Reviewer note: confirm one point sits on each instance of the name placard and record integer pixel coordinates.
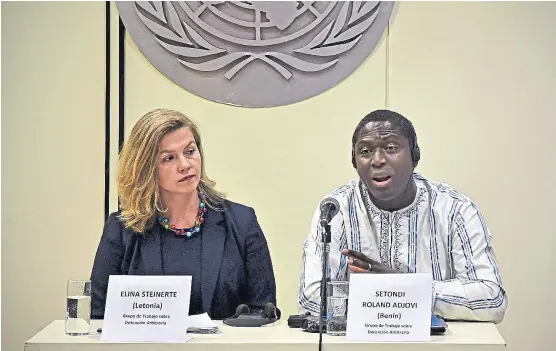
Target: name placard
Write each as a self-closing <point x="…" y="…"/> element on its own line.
<point x="389" y="307"/>
<point x="146" y="309"/>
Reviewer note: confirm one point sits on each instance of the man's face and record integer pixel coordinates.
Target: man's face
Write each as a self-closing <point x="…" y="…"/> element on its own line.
<point x="383" y="161"/>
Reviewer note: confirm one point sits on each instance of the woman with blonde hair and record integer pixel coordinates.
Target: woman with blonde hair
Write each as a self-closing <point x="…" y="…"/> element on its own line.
<point x="173" y="221"/>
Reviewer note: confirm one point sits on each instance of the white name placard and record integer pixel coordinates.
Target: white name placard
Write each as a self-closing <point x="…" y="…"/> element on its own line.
<point x="389" y="307"/>
<point x="146" y="309"/>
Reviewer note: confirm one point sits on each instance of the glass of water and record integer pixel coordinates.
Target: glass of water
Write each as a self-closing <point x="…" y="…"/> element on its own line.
<point x="78" y="307"/>
<point x="336" y="307"/>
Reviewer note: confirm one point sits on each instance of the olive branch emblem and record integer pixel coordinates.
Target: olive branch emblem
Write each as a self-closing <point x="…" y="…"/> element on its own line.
<point x="193" y="51"/>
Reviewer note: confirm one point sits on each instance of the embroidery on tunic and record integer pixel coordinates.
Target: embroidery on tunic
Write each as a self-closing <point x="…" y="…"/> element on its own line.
<point x="398" y="233"/>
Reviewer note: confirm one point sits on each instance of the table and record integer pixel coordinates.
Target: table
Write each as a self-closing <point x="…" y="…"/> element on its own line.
<point x="459" y="336"/>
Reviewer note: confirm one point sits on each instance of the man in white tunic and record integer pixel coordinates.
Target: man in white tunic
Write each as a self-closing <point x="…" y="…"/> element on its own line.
<point x="393" y="220"/>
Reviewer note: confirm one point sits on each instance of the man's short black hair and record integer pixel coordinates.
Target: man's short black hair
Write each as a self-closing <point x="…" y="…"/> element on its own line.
<point x="398" y="121"/>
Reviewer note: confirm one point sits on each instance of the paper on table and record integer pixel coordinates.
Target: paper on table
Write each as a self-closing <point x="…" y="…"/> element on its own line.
<point x="200" y="321"/>
<point x="202" y="324"/>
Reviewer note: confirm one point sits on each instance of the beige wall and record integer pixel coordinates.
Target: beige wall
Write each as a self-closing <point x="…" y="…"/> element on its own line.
<point x="479" y="81"/>
<point x="52" y="157"/>
<point x="481" y="71"/>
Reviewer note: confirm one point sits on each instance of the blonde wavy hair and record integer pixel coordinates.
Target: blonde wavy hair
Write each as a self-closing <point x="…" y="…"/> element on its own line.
<point x="140" y="199"/>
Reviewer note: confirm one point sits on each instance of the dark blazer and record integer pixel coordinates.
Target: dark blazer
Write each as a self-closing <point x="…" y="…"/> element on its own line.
<point x="235" y="265"/>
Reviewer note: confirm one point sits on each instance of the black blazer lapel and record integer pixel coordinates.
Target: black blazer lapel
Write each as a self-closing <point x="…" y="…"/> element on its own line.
<point x="151" y="252"/>
<point x="212" y="244"/>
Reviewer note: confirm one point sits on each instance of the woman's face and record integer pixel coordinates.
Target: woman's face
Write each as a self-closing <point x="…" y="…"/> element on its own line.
<point x="178" y="163"/>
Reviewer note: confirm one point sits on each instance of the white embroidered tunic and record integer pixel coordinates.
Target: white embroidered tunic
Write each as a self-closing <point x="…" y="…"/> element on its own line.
<point x="442" y="232"/>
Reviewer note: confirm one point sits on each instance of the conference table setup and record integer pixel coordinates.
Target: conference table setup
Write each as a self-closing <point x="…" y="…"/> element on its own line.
<point x="151" y="313"/>
<point x="278" y="336"/>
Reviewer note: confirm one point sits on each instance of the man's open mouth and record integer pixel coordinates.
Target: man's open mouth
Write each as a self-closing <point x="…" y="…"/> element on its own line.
<point x="381" y="179"/>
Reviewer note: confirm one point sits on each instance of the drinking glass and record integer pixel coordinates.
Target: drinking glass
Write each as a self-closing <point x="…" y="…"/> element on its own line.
<point x="78" y="307"/>
<point x="336" y="307"/>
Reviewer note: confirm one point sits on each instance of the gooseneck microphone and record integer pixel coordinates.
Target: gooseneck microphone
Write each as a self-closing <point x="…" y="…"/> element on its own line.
<point x="329" y="207"/>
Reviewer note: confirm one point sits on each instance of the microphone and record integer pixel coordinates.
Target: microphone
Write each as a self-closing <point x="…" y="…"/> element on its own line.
<point x="329" y="207"/>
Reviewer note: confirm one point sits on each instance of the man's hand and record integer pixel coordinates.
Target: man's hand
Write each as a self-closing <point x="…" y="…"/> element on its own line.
<point x="359" y="263"/>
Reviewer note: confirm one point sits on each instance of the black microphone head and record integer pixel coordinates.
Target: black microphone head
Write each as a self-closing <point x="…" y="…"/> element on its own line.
<point x="241" y="309"/>
<point x="270" y="311"/>
<point x="329" y="207"/>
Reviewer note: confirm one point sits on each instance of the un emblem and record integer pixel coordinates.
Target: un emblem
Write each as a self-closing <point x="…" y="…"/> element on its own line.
<point x="256" y="53"/>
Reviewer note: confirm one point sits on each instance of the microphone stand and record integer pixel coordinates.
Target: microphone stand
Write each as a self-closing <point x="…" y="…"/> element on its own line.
<point x="326" y="238"/>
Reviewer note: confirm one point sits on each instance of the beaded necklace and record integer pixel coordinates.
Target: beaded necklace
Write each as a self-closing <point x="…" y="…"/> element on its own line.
<point x="189" y="232"/>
